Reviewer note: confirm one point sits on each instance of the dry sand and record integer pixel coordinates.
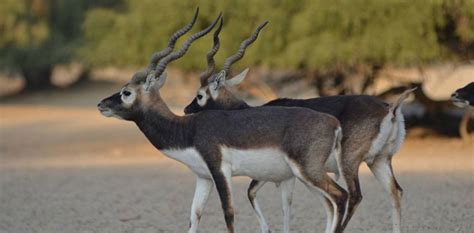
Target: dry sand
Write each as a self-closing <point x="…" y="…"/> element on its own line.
<point x="69" y="170"/>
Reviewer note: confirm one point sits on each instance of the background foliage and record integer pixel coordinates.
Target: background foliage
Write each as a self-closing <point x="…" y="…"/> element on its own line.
<point x="35" y="35"/>
<point x="314" y="35"/>
<point x="311" y="34"/>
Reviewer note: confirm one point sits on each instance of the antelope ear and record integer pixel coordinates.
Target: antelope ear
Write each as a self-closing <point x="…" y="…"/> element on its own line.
<point x="237" y="79"/>
<point x="160" y="81"/>
<point x="216" y="83"/>
<point x="154" y="83"/>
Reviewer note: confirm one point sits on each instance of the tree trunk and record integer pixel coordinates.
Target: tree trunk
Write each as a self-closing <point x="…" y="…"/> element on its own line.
<point x="37" y="79"/>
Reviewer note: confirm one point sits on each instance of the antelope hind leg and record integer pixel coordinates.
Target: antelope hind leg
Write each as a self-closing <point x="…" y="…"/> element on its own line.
<point x="254" y="186"/>
<point x="382" y="169"/>
<point x="287" y="187"/>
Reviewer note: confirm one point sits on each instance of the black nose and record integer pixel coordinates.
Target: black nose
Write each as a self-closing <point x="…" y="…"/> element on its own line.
<point x="186" y="110"/>
<point x="100" y="105"/>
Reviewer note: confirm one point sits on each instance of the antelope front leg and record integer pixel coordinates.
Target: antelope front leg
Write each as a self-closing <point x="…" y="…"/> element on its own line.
<point x="329" y="213"/>
<point x="382" y="169"/>
<point x="201" y="194"/>
<point x="287" y="188"/>
<point x="254" y="186"/>
<point x="223" y="181"/>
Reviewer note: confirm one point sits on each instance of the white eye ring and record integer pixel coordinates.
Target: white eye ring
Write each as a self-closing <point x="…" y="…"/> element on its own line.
<point x="126" y="93"/>
<point x="201" y="98"/>
<point x="128" y="97"/>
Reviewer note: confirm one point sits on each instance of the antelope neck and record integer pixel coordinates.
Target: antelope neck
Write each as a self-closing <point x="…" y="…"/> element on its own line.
<point x="165" y="130"/>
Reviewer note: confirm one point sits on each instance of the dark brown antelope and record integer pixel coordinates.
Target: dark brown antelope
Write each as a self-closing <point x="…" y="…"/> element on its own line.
<point x="464" y="97"/>
<point x="267" y="144"/>
<point x="373" y="131"/>
<point x="286" y="186"/>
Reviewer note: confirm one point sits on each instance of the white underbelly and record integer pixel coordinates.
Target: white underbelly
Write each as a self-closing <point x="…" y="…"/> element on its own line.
<point x="191" y="158"/>
<point x="260" y="164"/>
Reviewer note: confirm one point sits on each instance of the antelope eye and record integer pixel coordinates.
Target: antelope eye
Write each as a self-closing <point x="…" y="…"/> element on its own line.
<point x="126" y="93"/>
<point x="199" y="96"/>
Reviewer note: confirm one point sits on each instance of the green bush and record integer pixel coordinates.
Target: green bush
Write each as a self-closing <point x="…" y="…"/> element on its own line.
<point x="306" y="34"/>
<point x="311" y="34"/>
<point x="35" y="35"/>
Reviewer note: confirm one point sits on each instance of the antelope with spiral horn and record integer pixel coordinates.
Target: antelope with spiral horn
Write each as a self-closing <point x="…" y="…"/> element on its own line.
<point x="266" y="144"/>
<point x="373" y="132"/>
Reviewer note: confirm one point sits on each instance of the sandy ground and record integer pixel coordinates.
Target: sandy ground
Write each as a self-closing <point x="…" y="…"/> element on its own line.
<point x="66" y="169"/>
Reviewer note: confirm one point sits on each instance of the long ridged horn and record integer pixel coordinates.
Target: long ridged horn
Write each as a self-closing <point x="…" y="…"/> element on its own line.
<point x="211" y="64"/>
<point x="163" y="53"/>
<point x="240" y="53"/>
<point x="179" y="53"/>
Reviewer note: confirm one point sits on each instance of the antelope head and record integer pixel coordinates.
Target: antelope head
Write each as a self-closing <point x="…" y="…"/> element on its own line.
<point x="142" y="93"/>
<point x="464" y="97"/>
<point x="214" y="92"/>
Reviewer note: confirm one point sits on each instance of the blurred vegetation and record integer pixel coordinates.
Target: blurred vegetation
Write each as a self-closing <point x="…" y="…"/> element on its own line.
<point x="35" y="35"/>
<point x="315" y="35"/>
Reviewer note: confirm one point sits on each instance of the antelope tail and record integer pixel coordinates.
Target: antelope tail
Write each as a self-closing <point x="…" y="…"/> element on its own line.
<point x="396" y="105"/>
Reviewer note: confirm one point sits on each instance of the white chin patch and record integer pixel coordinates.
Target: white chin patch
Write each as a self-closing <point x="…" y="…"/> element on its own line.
<point x="107" y="113"/>
<point x="117" y="116"/>
<point x="460" y="103"/>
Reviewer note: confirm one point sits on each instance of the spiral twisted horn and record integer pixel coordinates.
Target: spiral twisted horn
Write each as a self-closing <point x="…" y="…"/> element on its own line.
<point x="240" y="53"/>
<point x="179" y="53"/>
<point x="211" y="64"/>
<point x="155" y="74"/>
<point x="161" y="54"/>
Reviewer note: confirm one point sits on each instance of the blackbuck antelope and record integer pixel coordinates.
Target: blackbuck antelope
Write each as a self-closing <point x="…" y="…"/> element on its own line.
<point x="268" y="144"/>
<point x="373" y="131"/>
<point x="464" y="97"/>
<point x="286" y="186"/>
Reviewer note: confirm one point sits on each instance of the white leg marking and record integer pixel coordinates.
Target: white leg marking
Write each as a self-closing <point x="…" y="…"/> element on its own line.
<point x="287" y="187"/>
<point x="256" y="207"/>
<point x="335" y="216"/>
<point x="296" y="171"/>
<point x="332" y="218"/>
<point x="329" y="214"/>
<point x="383" y="173"/>
<point x="201" y="194"/>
